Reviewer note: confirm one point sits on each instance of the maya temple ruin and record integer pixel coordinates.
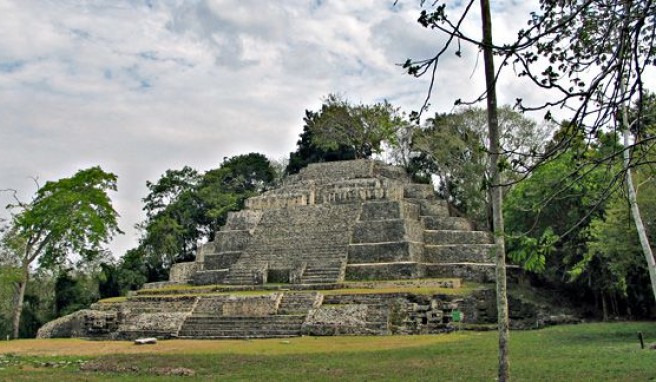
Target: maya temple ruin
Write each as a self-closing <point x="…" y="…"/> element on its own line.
<point x="342" y="248"/>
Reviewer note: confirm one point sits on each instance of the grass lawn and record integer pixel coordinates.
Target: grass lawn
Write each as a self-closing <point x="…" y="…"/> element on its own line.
<point x="588" y="352"/>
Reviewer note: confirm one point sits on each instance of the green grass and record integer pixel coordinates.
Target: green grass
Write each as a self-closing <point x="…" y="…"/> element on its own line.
<point x="588" y="352"/>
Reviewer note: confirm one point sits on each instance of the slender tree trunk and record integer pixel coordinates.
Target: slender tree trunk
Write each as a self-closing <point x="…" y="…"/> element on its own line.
<point x="496" y="193"/>
<point x="635" y="209"/>
<point x="20" y="298"/>
<point x="633" y="199"/>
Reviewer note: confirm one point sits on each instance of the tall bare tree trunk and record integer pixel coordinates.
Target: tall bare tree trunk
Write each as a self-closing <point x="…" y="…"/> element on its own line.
<point x="496" y="192"/>
<point x="20" y="298"/>
<point x="633" y="202"/>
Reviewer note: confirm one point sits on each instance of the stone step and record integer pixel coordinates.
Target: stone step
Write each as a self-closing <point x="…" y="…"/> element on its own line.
<point x="431" y="207"/>
<point x="240" y="276"/>
<point x="208" y="277"/>
<point x="377" y="326"/>
<point x="298" y="303"/>
<point x="242" y="220"/>
<point x="383" y="271"/>
<point x="443" y="237"/>
<point x="251" y="328"/>
<point x="446" y="223"/>
<point x="279" y="318"/>
<point x="418" y="191"/>
<point x="385" y="231"/>
<point x="244" y="330"/>
<point x="384" y="210"/>
<point x="321" y="276"/>
<point x="480" y="273"/>
<point x="220" y="260"/>
<point x="317" y="248"/>
<point x="242" y="326"/>
<point x="324" y="271"/>
<point x="319" y="280"/>
<point x="390" y="252"/>
<point x="238" y="333"/>
<point x="132" y="334"/>
<point x="229" y="241"/>
<point x="235" y="337"/>
<point x="458" y="253"/>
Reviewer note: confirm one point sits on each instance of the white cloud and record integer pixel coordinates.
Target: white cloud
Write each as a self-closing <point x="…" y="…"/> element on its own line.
<point x="140" y="87"/>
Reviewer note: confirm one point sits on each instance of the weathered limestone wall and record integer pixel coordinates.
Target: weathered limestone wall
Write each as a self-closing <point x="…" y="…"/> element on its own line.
<point x="182" y="272"/>
<point x="252" y="306"/>
<point x="83" y="323"/>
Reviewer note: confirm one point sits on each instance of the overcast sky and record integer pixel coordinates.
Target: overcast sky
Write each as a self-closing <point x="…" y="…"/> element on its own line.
<point x="142" y="86"/>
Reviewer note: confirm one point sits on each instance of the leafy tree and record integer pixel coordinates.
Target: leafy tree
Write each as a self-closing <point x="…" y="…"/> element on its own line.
<point x="38" y="305"/>
<point x="552" y="203"/>
<point x="452" y="150"/>
<point x="226" y="189"/>
<point x="452" y="147"/>
<point x="70" y="216"/>
<point x="185" y="207"/>
<point x="597" y="53"/>
<point x="131" y="272"/>
<point x="613" y="262"/>
<point x="173" y="210"/>
<point x="362" y="128"/>
<point x="550" y="214"/>
<point x="307" y="152"/>
<point x="169" y="188"/>
<point x="73" y="292"/>
<point x="9" y="277"/>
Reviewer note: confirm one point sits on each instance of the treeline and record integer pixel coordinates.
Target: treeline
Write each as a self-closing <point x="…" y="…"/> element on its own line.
<point x="567" y="219"/>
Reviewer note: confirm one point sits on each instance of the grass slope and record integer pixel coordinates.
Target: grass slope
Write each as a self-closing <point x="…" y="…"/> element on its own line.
<point x="589" y="352"/>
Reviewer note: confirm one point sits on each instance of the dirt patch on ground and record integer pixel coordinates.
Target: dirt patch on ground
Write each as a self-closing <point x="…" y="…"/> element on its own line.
<point x="295" y="345"/>
<point x="107" y="367"/>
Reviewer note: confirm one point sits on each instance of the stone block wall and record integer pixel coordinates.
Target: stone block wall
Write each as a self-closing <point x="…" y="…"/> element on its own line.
<point x="252" y="306"/>
<point x="182" y="272"/>
<point x="242" y="220"/>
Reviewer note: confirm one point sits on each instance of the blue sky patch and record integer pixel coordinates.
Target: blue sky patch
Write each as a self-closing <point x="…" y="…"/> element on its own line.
<point x="11" y="66"/>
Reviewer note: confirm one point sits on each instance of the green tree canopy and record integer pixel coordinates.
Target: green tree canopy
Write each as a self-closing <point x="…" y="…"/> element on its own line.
<point x="185" y="207"/>
<point x="362" y="128"/>
<point x="307" y="152"/>
<point x="452" y="147"/>
<point x="69" y="216"/>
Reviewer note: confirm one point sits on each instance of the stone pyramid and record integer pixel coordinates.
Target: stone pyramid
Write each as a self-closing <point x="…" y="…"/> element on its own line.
<point x="342" y="221"/>
<point x="342" y="248"/>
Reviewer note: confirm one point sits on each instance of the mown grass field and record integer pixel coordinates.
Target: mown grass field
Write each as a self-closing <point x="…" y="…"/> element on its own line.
<point x="588" y="352"/>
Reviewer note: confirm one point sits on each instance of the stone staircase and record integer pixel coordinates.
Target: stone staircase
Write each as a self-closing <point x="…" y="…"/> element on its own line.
<point x="241" y="276"/>
<point x="314" y="235"/>
<point x="299" y="303"/>
<point x="227" y="327"/>
<point x="453" y="248"/>
<point x="327" y="273"/>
